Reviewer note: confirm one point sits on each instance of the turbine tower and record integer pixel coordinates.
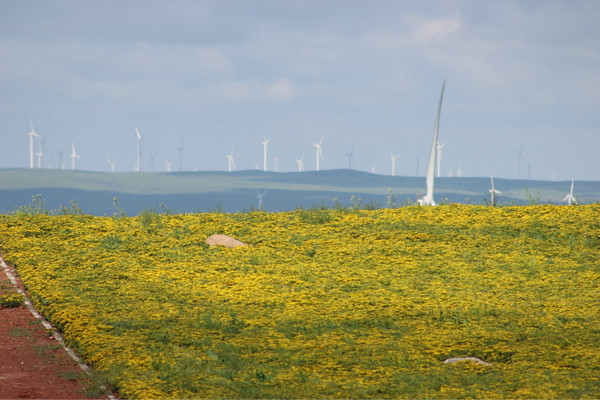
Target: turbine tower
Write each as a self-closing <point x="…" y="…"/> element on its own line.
<point x="31" y="134"/>
<point x="260" y="196"/>
<point x="138" y="164"/>
<point x="40" y="155"/>
<point x="110" y="163"/>
<point x="393" y="158"/>
<point x="180" y="150"/>
<point x="300" y="163"/>
<point x="569" y="198"/>
<point x="276" y="161"/>
<point x="427" y="200"/>
<point x="265" y="143"/>
<point x="350" y="157"/>
<point x="493" y="191"/>
<point x="519" y="155"/>
<point x="319" y="153"/>
<point x="230" y="162"/>
<point x="168" y="164"/>
<point x="73" y="155"/>
<point x="439" y="156"/>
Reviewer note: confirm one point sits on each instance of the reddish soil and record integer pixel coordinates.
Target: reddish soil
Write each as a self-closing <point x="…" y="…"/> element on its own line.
<point x="33" y="365"/>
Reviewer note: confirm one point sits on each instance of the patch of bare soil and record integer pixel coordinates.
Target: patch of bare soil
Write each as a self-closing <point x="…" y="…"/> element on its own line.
<point x="33" y="365"/>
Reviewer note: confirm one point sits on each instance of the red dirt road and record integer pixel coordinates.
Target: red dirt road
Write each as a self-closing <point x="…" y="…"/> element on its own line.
<point x="33" y="365"/>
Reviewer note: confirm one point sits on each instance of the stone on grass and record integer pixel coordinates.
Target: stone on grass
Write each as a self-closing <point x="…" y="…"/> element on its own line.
<point x="224" y="240"/>
<point x="471" y="359"/>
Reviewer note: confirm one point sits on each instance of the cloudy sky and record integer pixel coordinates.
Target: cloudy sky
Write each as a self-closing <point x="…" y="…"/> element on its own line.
<point x="522" y="77"/>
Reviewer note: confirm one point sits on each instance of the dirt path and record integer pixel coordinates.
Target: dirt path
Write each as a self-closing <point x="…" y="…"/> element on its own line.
<point x="33" y="365"/>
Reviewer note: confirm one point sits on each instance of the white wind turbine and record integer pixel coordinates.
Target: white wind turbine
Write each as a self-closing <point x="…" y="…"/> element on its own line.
<point x="569" y="198"/>
<point x="439" y="156"/>
<point x="230" y="162"/>
<point x="493" y="191"/>
<point x="180" y="150"/>
<point x="138" y="164"/>
<point x="265" y="143"/>
<point x="276" y="161"/>
<point x="393" y="158"/>
<point x="300" y="163"/>
<point x="427" y="200"/>
<point x="31" y="134"/>
<point x="350" y="156"/>
<point x="319" y="152"/>
<point x="110" y="163"/>
<point x="260" y="196"/>
<point x="168" y="165"/>
<point x="40" y="155"/>
<point x="73" y="155"/>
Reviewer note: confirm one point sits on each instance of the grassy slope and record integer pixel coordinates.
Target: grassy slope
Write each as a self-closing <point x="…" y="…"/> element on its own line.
<point x="325" y="303"/>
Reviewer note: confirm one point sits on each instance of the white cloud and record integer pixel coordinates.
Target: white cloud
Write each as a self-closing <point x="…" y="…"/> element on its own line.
<point x="429" y="30"/>
<point x="280" y="90"/>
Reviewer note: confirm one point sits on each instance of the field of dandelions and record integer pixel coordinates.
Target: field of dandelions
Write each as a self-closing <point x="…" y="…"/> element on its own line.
<point x="324" y="303"/>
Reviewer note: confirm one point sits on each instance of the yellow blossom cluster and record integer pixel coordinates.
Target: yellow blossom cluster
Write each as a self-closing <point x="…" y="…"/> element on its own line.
<point x="324" y="303"/>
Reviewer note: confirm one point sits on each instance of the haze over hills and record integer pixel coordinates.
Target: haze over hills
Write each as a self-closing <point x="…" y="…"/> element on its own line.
<point x="237" y="191"/>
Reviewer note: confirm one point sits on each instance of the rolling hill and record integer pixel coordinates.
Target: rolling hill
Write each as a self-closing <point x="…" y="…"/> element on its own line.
<point x="236" y="191"/>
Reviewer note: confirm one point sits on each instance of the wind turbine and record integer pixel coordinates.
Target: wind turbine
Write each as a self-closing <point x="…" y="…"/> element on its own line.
<point x="319" y="152"/>
<point x="110" y="163"/>
<point x="230" y="162"/>
<point x="40" y="155"/>
<point x="493" y="191"/>
<point x="265" y="143"/>
<point x="394" y="158"/>
<point x="276" y="160"/>
<point x="61" y="165"/>
<point x="439" y="156"/>
<point x="168" y="164"/>
<point x="73" y="155"/>
<point x="31" y="134"/>
<point x="138" y="165"/>
<point x="300" y="163"/>
<point x="569" y="198"/>
<point x="180" y="150"/>
<point x="427" y="200"/>
<point x="350" y="157"/>
<point x="260" y="196"/>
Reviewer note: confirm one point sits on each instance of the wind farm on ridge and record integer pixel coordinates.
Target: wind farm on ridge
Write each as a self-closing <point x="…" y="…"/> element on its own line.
<point x="425" y="199"/>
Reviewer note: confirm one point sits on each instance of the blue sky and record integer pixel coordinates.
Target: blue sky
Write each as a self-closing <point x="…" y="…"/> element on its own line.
<point x="521" y="76"/>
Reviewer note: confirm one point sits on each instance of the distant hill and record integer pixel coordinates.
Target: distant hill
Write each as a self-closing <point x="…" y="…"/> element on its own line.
<point x="237" y="191"/>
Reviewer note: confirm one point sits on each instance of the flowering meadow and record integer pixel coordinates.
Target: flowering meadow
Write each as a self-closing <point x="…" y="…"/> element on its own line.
<point x="324" y="303"/>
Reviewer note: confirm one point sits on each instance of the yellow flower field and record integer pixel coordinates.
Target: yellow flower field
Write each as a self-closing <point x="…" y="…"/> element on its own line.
<point x="324" y="303"/>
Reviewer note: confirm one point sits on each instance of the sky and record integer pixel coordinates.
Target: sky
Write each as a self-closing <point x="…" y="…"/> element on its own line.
<point x="521" y="100"/>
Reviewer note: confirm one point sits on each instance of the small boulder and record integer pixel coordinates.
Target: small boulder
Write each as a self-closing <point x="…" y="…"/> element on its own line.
<point x="470" y="359"/>
<point x="224" y="240"/>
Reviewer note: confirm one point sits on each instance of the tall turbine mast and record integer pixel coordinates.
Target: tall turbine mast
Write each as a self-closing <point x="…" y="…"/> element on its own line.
<point x="319" y="152"/>
<point x="439" y="156"/>
<point x="427" y="200"/>
<point x="493" y="191"/>
<point x="138" y="164"/>
<point x="569" y="198"/>
<point x="31" y="134"/>
<point x="40" y="155"/>
<point x="180" y="150"/>
<point x="393" y="158"/>
<point x="230" y="162"/>
<point x="265" y="143"/>
<point x="300" y="163"/>
<point x="260" y="196"/>
<point x="73" y="156"/>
